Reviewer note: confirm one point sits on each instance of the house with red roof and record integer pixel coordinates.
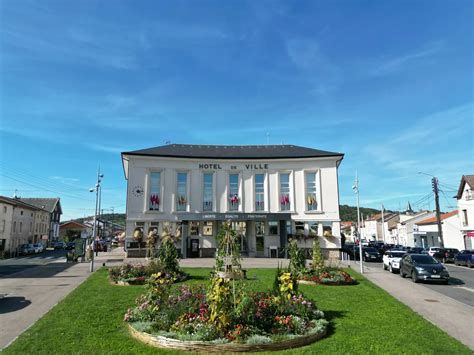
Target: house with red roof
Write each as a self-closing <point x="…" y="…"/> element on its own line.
<point x="465" y="198"/>
<point x="428" y="231"/>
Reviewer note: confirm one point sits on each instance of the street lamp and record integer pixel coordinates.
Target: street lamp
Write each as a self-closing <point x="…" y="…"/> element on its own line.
<point x="95" y="189"/>
<point x="356" y="191"/>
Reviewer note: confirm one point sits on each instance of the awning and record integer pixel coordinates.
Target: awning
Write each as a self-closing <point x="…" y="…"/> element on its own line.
<point x="236" y="216"/>
<point x="470" y="234"/>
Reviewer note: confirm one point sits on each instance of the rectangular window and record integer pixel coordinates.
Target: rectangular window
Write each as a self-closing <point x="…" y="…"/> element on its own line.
<point x="465" y="221"/>
<point x="311" y="203"/>
<point x="313" y="228"/>
<point x="31" y="227"/>
<point x="285" y="202"/>
<point x="273" y="228"/>
<point x="21" y="213"/>
<point x="14" y="227"/>
<point x="182" y="193"/>
<point x="2" y="226"/>
<point x="21" y="226"/>
<point x="234" y="192"/>
<point x="153" y="227"/>
<point x="193" y="228"/>
<point x="4" y="209"/>
<point x="207" y="228"/>
<point x="208" y="192"/>
<point x="259" y="192"/>
<point x="155" y="191"/>
<point x="299" y="228"/>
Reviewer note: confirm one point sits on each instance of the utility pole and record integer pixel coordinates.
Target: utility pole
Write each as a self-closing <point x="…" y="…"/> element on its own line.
<point x="434" y="183"/>
<point x="383" y="224"/>
<point x="96" y="189"/>
<point x="356" y="191"/>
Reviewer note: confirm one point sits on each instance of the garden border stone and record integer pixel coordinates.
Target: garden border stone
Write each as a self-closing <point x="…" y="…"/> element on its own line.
<point x="203" y="346"/>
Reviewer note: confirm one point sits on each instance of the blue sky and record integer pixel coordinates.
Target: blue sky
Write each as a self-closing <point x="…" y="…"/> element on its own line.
<point x="388" y="83"/>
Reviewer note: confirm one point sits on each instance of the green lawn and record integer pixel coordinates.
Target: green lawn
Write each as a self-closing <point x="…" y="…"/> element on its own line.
<point x="364" y="319"/>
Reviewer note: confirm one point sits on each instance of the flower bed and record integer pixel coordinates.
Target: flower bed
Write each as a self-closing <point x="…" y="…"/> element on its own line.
<point x="129" y="274"/>
<point x="327" y="276"/>
<point x="225" y="318"/>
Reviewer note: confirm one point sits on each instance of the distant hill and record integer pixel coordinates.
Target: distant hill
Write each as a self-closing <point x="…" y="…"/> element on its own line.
<point x="117" y="218"/>
<point x="347" y="213"/>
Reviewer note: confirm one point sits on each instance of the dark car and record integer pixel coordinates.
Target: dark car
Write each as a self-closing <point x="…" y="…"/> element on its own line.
<point x="465" y="257"/>
<point x="70" y="245"/>
<point x="59" y="245"/>
<point x="446" y="255"/>
<point x="417" y="250"/>
<point x="370" y="254"/>
<point x="423" y="267"/>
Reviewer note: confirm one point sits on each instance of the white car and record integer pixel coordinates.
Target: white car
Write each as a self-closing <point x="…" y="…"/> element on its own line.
<point x="391" y="260"/>
<point x="433" y="250"/>
<point x="38" y="248"/>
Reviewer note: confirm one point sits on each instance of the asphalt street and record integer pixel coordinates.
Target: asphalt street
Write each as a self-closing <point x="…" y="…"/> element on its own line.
<point x="14" y="265"/>
<point x="460" y="287"/>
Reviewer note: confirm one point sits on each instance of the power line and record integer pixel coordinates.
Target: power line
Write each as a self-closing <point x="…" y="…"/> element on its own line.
<point x="46" y="189"/>
<point x="423" y="199"/>
<point x="38" y="179"/>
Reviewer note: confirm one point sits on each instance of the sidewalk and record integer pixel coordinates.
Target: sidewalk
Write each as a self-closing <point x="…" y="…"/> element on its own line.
<point x="33" y="292"/>
<point x="454" y="317"/>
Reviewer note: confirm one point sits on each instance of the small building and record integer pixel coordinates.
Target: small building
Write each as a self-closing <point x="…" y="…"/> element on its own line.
<point x="406" y="232"/>
<point x="428" y="231"/>
<point x="21" y="223"/>
<point x="268" y="192"/>
<point x="53" y="206"/>
<point x="378" y="228"/>
<point x="75" y="230"/>
<point x="465" y="199"/>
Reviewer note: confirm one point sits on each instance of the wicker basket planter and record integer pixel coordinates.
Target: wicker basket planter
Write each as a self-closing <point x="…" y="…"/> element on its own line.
<point x="306" y="282"/>
<point x="125" y="283"/>
<point x="202" y="346"/>
<point x="232" y="275"/>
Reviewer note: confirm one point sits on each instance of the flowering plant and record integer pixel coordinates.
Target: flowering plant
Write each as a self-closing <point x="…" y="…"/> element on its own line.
<point x="234" y="199"/>
<point x="285" y="199"/>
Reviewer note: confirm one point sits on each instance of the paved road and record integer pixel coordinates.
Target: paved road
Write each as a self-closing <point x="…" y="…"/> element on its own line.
<point x="14" y="265"/>
<point x="460" y="287"/>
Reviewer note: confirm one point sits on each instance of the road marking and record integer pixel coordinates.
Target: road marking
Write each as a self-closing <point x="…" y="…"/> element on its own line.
<point x="465" y="288"/>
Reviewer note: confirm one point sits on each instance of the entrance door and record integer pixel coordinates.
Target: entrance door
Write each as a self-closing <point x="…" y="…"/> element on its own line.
<point x="260" y="238"/>
<point x="240" y="229"/>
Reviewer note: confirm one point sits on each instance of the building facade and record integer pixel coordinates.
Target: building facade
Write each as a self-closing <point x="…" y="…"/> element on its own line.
<point x="269" y="193"/>
<point x="53" y="207"/>
<point x="465" y="198"/>
<point x="21" y="223"/>
<point x="429" y="236"/>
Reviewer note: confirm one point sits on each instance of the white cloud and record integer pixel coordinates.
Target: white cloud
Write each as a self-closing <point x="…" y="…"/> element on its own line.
<point x="323" y="75"/>
<point x="398" y="63"/>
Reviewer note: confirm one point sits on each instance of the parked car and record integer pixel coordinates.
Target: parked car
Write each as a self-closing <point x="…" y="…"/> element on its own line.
<point x="370" y="254"/>
<point x="26" y="249"/>
<point x="59" y="245"/>
<point x="433" y="250"/>
<point x="38" y="248"/>
<point x="465" y="257"/>
<point x="446" y="255"/>
<point x="422" y="267"/>
<point x="417" y="250"/>
<point x="70" y="245"/>
<point x="391" y="260"/>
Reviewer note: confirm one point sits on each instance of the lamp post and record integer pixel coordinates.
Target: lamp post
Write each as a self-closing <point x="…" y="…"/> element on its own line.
<point x="356" y="191"/>
<point x="95" y="189"/>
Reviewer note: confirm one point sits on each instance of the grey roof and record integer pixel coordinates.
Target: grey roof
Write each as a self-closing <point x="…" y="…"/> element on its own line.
<point x="233" y="151"/>
<point x="47" y="204"/>
<point x="466" y="179"/>
<point x="17" y="202"/>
